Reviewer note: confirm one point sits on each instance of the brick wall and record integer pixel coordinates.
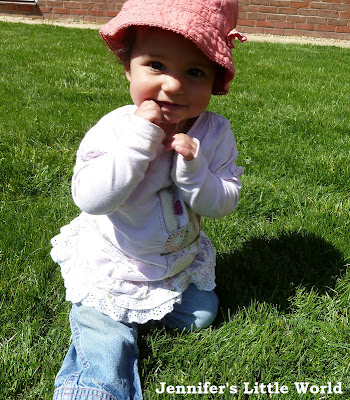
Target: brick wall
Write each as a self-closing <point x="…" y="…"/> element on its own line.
<point x="319" y="18"/>
<point x="314" y="18"/>
<point x="99" y="11"/>
<point x="94" y="11"/>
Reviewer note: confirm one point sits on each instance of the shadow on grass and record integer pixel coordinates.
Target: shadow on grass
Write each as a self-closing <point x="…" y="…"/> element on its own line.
<point x="270" y="270"/>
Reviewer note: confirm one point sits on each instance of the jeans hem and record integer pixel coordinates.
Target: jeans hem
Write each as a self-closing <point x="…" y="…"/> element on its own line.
<point x="77" y="393"/>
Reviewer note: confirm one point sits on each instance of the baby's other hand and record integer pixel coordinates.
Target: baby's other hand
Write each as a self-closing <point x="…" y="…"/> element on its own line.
<point x="184" y="145"/>
<point x="150" y="111"/>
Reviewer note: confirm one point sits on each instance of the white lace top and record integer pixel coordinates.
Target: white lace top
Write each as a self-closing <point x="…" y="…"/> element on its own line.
<point x="137" y="244"/>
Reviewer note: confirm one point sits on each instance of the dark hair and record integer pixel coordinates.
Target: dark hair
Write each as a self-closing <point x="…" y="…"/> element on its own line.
<point x="127" y="44"/>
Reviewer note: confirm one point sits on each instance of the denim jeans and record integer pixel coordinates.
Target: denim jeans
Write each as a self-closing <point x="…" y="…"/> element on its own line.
<point x="101" y="363"/>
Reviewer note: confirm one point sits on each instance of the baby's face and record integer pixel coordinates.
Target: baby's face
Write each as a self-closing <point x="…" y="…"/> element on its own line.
<point x="170" y="70"/>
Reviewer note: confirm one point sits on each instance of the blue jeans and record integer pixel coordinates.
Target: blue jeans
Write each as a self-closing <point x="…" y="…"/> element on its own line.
<point x="101" y="363"/>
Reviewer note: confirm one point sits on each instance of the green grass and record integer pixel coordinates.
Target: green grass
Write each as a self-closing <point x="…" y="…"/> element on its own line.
<point x="283" y="254"/>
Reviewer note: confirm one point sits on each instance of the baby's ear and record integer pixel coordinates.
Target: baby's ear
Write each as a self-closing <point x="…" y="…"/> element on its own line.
<point x="127" y="74"/>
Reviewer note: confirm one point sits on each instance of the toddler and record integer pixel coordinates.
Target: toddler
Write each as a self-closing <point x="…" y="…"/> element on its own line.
<point x="144" y="176"/>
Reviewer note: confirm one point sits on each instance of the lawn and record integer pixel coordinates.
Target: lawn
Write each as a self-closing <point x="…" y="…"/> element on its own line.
<point x="283" y="255"/>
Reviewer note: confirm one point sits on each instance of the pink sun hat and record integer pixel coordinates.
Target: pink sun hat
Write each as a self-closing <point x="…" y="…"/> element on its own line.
<point x="209" y="24"/>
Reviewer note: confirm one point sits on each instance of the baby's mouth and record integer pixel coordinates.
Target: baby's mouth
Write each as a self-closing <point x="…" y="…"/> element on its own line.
<point x="168" y="106"/>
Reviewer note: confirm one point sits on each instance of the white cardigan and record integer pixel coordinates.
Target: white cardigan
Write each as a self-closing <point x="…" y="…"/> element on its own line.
<point x="141" y="210"/>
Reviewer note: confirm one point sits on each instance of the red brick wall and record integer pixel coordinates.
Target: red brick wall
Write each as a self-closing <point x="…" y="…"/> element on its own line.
<point x="314" y="18"/>
<point x="94" y="11"/>
<point x="91" y="11"/>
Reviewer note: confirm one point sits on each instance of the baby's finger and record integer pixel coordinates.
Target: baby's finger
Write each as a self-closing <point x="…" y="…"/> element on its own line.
<point x="185" y="146"/>
<point x="150" y="111"/>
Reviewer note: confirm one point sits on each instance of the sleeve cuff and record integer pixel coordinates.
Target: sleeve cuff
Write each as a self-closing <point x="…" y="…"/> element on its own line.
<point x="185" y="172"/>
<point x="147" y="130"/>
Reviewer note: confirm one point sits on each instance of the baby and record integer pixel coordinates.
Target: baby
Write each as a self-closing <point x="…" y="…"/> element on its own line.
<point x="144" y="176"/>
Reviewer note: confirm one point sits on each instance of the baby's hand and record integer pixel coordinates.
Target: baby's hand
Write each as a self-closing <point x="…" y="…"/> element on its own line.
<point x="184" y="145"/>
<point x="150" y="111"/>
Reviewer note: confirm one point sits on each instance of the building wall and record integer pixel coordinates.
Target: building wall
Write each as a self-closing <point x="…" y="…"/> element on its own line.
<point x="99" y="11"/>
<point x="314" y="18"/>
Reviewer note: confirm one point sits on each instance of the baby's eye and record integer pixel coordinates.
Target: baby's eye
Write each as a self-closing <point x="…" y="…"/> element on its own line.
<point x="195" y="73"/>
<point x="156" y="65"/>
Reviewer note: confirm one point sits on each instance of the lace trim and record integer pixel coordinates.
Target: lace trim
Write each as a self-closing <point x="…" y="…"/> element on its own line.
<point x="169" y="291"/>
<point x="107" y="305"/>
<point x="124" y="300"/>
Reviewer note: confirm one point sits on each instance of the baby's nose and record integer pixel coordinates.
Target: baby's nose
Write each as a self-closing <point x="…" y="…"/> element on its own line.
<point x="173" y="84"/>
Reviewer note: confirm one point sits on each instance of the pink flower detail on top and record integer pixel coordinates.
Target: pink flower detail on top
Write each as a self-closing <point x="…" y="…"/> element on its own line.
<point x="178" y="208"/>
<point x="234" y="34"/>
